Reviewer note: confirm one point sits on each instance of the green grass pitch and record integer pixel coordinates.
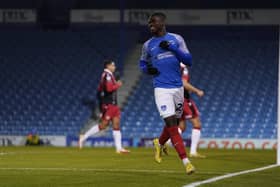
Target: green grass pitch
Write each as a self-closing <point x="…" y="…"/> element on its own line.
<point x="71" y="167"/>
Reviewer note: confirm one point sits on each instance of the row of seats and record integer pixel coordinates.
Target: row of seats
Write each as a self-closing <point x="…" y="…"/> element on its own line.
<point x="49" y="80"/>
<point x="48" y="77"/>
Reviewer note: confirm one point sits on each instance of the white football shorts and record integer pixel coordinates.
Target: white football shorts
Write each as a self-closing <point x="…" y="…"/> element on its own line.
<point x="169" y="101"/>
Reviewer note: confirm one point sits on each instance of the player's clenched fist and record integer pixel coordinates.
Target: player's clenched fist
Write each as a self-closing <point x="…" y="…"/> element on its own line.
<point x="167" y="45"/>
<point x="119" y="82"/>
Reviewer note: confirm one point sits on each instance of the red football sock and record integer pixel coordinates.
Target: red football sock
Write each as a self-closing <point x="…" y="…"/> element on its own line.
<point x="164" y="136"/>
<point x="177" y="141"/>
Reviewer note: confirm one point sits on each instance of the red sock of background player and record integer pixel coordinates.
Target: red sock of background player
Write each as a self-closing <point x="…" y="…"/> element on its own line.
<point x="164" y="136"/>
<point x="178" y="143"/>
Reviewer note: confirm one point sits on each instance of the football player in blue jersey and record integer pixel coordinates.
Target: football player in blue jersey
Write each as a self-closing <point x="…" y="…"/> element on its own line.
<point x="161" y="57"/>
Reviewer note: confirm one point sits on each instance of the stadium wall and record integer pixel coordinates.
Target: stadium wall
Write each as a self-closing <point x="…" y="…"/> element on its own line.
<point x="72" y="141"/>
<point x="181" y="16"/>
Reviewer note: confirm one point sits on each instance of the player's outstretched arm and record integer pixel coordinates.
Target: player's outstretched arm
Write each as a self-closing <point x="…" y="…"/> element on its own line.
<point x="188" y="86"/>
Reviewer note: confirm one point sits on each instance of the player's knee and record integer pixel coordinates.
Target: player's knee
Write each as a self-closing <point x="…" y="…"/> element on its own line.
<point x="197" y="126"/>
<point x="183" y="128"/>
<point x="103" y="125"/>
<point x="196" y="123"/>
<point x="170" y="121"/>
<point x="116" y="126"/>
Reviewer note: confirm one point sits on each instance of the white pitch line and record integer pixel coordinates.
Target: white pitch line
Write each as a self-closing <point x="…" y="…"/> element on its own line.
<point x="6" y="153"/>
<point x="90" y="169"/>
<point x="104" y="170"/>
<point x="214" y="179"/>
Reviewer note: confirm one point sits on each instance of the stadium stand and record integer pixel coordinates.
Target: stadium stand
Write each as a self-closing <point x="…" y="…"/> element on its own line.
<point x="46" y="74"/>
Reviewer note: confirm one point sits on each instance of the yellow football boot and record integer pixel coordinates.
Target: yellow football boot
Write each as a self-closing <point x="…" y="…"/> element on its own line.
<point x="157" y="149"/>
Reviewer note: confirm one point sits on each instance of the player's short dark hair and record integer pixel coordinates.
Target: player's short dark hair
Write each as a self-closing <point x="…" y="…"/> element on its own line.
<point x="161" y="15"/>
<point x="107" y="62"/>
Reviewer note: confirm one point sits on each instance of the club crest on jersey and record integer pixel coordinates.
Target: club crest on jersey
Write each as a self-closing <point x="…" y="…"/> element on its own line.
<point x="163" y="107"/>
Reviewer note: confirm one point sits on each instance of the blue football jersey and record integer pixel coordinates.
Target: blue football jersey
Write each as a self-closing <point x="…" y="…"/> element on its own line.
<point x="164" y="60"/>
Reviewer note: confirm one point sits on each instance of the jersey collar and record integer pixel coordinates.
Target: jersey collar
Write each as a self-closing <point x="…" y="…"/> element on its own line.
<point x="108" y="71"/>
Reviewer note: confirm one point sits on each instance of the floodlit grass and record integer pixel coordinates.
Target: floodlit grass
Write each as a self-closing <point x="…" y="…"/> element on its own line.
<point x="69" y="167"/>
